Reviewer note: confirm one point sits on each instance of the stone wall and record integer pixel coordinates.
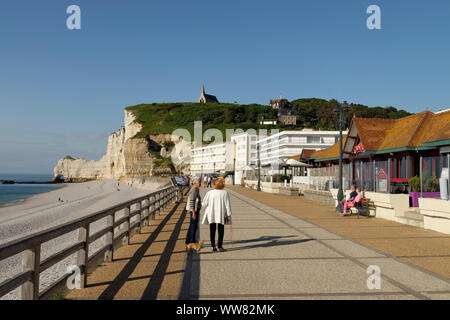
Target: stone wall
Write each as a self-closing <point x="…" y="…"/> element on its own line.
<point x="320" y="196"/>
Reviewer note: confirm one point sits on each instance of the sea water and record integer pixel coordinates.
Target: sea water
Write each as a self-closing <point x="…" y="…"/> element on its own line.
<point x="12" y="193"/>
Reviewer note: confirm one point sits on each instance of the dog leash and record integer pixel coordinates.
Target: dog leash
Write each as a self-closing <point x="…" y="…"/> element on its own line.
<point x="231" y="232"/>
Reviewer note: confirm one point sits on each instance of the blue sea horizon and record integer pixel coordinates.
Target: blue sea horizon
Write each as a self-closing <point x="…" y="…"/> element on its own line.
<point x="13" y="193"/>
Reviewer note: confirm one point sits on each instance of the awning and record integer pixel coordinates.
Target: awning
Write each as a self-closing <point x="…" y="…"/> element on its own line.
<point x="295" y="163"/>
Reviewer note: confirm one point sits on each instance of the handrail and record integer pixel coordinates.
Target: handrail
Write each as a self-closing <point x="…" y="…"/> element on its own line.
<point x="30" y="246"/>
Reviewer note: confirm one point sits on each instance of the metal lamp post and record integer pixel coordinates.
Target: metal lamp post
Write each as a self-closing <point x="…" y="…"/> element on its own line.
<point x="234" y="170"/>
<point x="340" y="110"/>
<point x="259" y="168"/>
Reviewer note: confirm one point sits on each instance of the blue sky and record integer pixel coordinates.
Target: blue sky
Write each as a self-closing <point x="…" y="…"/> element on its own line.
<point x="63" y="92"/>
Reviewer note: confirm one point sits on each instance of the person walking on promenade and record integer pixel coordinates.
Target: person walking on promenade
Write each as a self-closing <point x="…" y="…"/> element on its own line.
<point x="205" y="181"/>
<point x="193" y="207"/>
<point x="209" y="182"/>
<point x="217" y="212"/>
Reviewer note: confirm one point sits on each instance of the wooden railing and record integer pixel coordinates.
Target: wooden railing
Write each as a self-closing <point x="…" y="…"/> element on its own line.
<point x="143" y="208"/>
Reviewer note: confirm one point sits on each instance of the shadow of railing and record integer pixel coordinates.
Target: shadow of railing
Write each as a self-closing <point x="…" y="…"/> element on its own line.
<point x="160" y="271"/>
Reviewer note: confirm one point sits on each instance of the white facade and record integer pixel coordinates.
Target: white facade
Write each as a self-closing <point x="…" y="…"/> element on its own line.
<point x="241" y="151"/>
<point x="216" y="158"/>
<point x="279" y="147"/>
<point x="245" y="150"/>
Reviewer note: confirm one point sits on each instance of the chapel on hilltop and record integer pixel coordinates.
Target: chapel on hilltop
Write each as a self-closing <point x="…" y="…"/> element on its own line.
<point x="204" y="98"/>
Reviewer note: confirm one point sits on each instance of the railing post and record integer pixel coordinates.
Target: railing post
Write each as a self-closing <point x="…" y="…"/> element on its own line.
<point x="31" y="260"/>
<point x="157" y="204"/>
<point x="139" y="218"/>
<point x="110" y="238"/>
<point x="126" y="238"/>
<point x="83" y="254"/>
<point x="151" y="212"/>
<point x="144" y="214"/>
<point x="165" y="199"/>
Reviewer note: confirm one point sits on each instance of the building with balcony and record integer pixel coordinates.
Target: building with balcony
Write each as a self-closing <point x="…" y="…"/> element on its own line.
<point x="216" y="158"/>
<point x="244" y="150"/>
<point x="276" y="149"/>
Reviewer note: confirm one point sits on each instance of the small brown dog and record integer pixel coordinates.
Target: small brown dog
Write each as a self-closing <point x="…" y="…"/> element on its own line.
<point x="195" y="246"/>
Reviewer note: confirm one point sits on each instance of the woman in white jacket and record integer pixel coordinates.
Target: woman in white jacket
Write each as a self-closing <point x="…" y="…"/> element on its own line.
<point x="217" y="211"/>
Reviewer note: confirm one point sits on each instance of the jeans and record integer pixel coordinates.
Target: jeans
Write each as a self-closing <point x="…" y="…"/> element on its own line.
<point x="192" y="231"/>
<point x="212" y="233"/>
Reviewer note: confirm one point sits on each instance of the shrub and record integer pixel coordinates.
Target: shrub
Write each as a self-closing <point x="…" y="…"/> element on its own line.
<point x="415" y="184"/>
<point x="430" y="184"/>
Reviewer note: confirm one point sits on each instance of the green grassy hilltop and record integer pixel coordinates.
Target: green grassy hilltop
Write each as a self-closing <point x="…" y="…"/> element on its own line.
<point x="158" y="118"/>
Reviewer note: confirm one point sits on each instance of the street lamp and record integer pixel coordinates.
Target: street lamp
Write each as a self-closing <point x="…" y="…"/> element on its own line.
<point x="339" y="109"/>
<point x="234" y="169"/>
<point x="259" y="168"/>
<point x="234" y="162"/>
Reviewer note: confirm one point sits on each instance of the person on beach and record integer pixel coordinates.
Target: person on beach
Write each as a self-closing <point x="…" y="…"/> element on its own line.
<point x="218" y="211"/>
<point x="193" y="207"/>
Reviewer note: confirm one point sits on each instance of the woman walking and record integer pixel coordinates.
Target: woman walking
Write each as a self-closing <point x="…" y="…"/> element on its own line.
<point x="218" y="211"/>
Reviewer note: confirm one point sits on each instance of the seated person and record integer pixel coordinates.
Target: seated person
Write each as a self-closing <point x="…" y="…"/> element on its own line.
<point x="349" y="197"/>
<point x="352" y="195"/>
<point x="351" y="203"/>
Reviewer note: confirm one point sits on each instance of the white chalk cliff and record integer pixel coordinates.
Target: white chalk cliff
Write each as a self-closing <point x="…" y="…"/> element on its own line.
<point x="126" y="157"/>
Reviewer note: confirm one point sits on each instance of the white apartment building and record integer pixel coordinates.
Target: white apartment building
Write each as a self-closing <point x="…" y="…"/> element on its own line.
<point x="244" y="149"/>
<point x="277" y="148"/>
<point x="241" y="151"/>
<point x="216" y="158"/>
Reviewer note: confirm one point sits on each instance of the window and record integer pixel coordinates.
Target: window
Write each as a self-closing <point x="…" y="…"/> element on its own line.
<point x="313" y="139"/>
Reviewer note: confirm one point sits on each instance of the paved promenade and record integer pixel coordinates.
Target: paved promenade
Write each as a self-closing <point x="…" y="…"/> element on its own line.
<point x="283" y="248"/>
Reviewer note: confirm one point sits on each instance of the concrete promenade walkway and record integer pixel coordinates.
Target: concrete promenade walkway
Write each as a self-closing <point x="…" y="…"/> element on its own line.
<point x="283" y="248"/>
<point x="276" y="255"/>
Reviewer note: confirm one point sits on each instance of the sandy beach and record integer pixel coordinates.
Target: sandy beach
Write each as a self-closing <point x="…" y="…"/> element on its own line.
<point x="59" y="206"/>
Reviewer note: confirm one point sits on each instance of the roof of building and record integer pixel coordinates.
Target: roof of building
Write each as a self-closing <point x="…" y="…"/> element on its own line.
<point x="412" y="131"/>
<point x="211" y="98"/>
<point x="208" y="97"/>
<point x="424" y="129"/>
<point x="287" y="112"/>
<point x="329" y="153"/>
<point x="277" y="100"/>
<point x="306" y="153"/>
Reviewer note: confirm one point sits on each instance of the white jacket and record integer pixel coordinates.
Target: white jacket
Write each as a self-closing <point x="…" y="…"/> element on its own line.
<point x="217" y="206"/>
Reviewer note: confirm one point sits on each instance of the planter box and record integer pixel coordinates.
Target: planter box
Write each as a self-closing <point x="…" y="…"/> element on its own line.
<point x="429" y="195"/>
